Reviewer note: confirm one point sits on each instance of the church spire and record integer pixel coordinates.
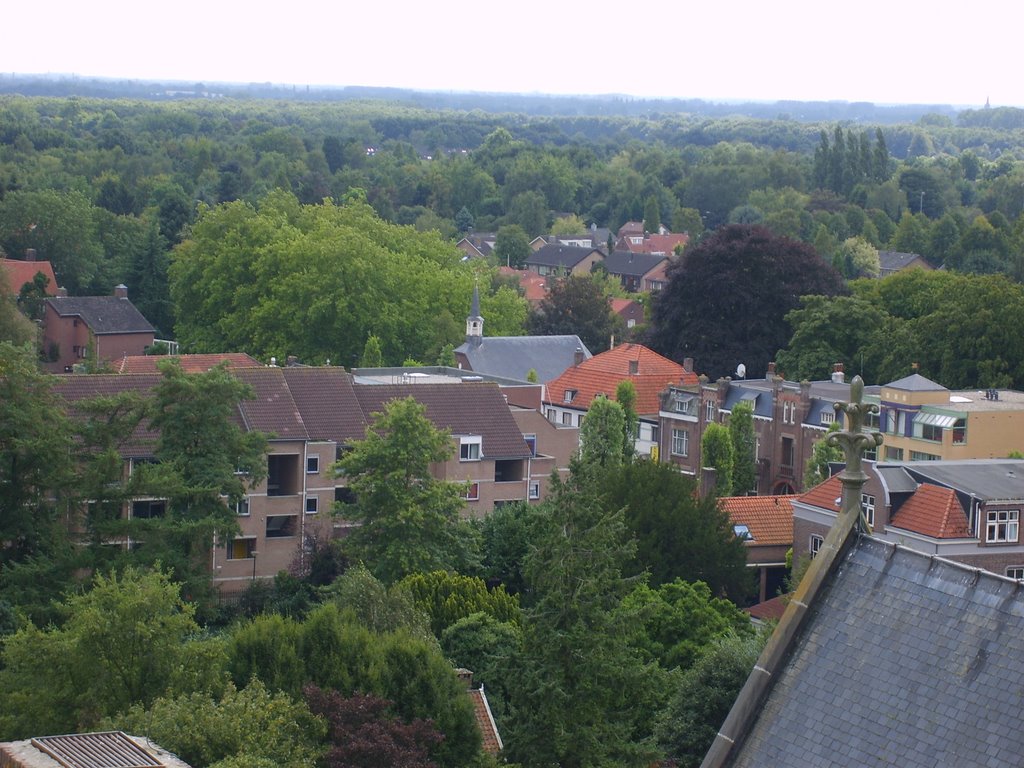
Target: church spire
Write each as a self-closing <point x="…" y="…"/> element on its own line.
<point x="474" y="322"/>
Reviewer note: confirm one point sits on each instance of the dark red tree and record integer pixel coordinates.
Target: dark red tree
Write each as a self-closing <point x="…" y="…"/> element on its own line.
<point x="727" y="299"/>
<point x="365" y="734"/>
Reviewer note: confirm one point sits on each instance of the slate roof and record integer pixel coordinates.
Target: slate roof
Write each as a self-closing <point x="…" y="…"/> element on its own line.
<point x="558" y="255"/>
<point x="984" y="479"/>
<point x="894" y="261"/>
<point x="602" y="373"/>
<point x="915" y="383"/>
<point x="631" y="264"/>
<point x="103" y="314"/>
<point x="769" y="518"/>
<point x="903" y="659"/>
<point x="469" y="408"/>
<point x="21" y="272"/>
<point x="512" y="357"/>
<point x="934" y="512"/>
<point x="189" y="363"/>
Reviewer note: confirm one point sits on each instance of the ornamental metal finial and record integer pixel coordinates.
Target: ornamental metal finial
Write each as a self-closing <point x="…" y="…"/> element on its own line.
<point x="854" y="441"/>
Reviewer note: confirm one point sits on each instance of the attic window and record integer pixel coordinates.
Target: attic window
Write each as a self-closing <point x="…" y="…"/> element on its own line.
<point x="569" y="395"/>
<point x="469" y="448"/>
<point x="742" y="532"/>
<point x="681" y="405"/>
<point x="827" y="417"/>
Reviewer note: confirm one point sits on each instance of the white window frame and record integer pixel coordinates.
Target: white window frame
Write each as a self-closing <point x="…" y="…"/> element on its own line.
<point x="470" y="448"/>
<point x="1015" y="572"/>
<point x="243" y="504"/>
<point x="566" y="419"/>
<point x="568" y="395"/>
<point x="814" y="544"/>
<point x="314" y="462"/>
<point x="1002" y="526"/>
<point x="828" y="417"/>
<point x="680" y="442"/>
<point x="314" y="502"/>
<point x="534" y="491"/>
<point x="867" y="504"/>
<point x="472" y="491"/>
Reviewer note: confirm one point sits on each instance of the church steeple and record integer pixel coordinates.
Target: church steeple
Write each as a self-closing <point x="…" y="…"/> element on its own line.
<point x="474" y="322"/>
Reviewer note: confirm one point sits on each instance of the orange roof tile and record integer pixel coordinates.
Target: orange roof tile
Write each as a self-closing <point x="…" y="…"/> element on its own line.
<point x="664" y="243"/>
<point x="933" y="511"/>
<point x="601" y="374"/>
<point x="485" y="720"/>
<point x="769" y="518"/>
<point x="21" y="272"/>
<point x="770" y="609"/>
<point x="533" y="286"/>
<point x="189" y="363"/>
<point x="824" y="495"/>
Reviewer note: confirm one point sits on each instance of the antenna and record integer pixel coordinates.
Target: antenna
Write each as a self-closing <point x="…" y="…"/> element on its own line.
<point x="741" y="371"/>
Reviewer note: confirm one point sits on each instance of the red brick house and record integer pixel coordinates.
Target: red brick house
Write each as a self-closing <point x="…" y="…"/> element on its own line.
<point x="20" y="272"/>
<point x="765" y="523"/>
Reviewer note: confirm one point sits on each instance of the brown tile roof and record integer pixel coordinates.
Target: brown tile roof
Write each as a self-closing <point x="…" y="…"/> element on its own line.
<point x="488" y="729"/>
<point x="769" y="610"/>
<point x="189" y="363"/>
<point x="75" y="388"/>
<point x="824" y="495"/>
<point x="664" y="243"/>
<point x="602" y="373"/>
<point x="467" y="408"/>
<point x="933" y="511"/>
<point x="272" y="410"/>
<point x="21" y="272"/>
<point x="327" y="402"/>
<point x="533" y="286"/>
<point x="769" y="518"/>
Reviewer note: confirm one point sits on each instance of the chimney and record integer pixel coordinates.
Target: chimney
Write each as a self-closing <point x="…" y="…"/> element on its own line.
<point x="291" y="361"/>
<point x="707" y="481"/>
<point x="838" y="377"/>
<point x="62" y="293"/>
<point x="771" y="370"/>
<point x="688" y="364"/>
<point x="577" y="357"/>
<point x="121" y="291"/>
<point x="465" y="676"/>
<point x="30" y="254"/>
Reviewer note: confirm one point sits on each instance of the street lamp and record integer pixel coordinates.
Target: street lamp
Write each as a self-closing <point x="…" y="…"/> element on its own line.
<point x="254" y="553"/>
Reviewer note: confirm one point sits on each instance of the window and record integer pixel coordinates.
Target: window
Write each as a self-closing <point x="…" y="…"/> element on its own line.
<point x="283" y="474"/>
<point x="680" y="442"/>
<point x="241" y="549"/>
<point x="531" y="442"/>
<point x="814" y="546"/>
<point x="552" y="415"/>
<point x="867" y="504"/>
<point x="893" y="454"/>
<point x="1015" y="572"/>
<point x="568" y="395"/>
<point x="469" y="448"/>
<point x="1002" y="525"/>
<point x="928" y="432"/>
<point x="242" y="507"/>
<point x="742" y="532"/>
<point x="960" y="432"/>
<point x="149" y="508"/>
<point x="535" y="489"/>
<point x="785" y="413"/>
<point x="579" y="420"/>
<point x="787" y="452"/>
<point x="567" y="419"/>
<point x="681" y="405"/>
<point x="827" y="417"/>
<point x="921" y="456"/>
<point x="709" y="411"/>
<point x="872" y="422"/>
<point x="472" y="492"/>
<point x="312" y="465"/>
<point x="281" y="526"/>
<point x="312" y="505"/>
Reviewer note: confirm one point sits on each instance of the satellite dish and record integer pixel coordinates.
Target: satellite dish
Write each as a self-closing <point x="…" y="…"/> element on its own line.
<point x="741" y="371"/>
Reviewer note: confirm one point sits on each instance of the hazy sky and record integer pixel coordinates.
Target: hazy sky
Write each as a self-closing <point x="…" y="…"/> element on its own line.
<point x="885" y="52"/>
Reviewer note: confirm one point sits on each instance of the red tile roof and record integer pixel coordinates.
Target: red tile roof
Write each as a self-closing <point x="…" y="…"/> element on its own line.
<point x="664" y="243"/>
<point x="769" y="518"/>
<point x="602" y="373"/>
<point x="21" y="272"/>
<point x="933" y="511"/>
<point x="533" y="286"/>
<point x="824" y="495"/>
<point x="189" y="363"/>
<point x="488" y="730"/>
<point x="770" y="609"/>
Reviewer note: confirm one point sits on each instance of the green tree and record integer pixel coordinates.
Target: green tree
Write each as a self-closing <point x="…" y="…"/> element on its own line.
<point x="487" y="647"/>
<point x="247" y="725"/>
<point x="371" y="354"/>
<point x="717" y="452"/>
<point x="15" y="327"/>
<point x="448" y="597"/>
<point x="679" y="533"/>
<point x="579" y="698"/>
<point x="568" y="225"/>
<point x="464" y="220"/>
<point x="125" y="642"/>
<point x="407" y="519"/>
<point x="625" y="395"/>
<point x="577" y="305"/>
<point x="817" y="471"/>
<point x="603" y="434"/>
<point x="741" y="434"/>
<point x="652" y="215"/>
<point x="858" y="258"/>
<point x="911" y="234"/>
<point x="507" y="534"/>
<point x="512" y="246"/>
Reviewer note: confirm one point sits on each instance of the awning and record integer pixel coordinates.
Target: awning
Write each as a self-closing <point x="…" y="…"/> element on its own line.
<point x="935" y="420"/>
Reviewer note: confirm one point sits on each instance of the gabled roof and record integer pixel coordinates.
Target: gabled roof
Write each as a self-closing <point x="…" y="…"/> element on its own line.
<point x="665" y="244"/>
<point x="900" y="658"/>
<point x="825" y="495"/>
<point x="915" y="382"/>
<point x="189" y="363"/>
<point x="469" y="408"/>
<point x="73" y="389"/>
<point x="558" y="255"/>
<point x="327" y="403"/>
<point x="769" y="610"/>
<point x="768" y="518"/>
<point x="103" y="314"/>
<point x="984" y="479"/>
<point x="533" y="286"/>
<point x="21" y="272"/>
<point x="490" y="738"/>
<point x="933" y="511"/>
<point x="272" y="410"/>
<point x="627" y="308"/>
<point x="512" y="357"/>
<point x="601" y="374"/>
<point x="894" y="261"/>
<point x="632" y="264"/>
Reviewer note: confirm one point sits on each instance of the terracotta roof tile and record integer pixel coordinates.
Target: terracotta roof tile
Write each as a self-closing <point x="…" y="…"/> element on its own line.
<point x="602" y="373"/>
<point x="75" y="388"/>
<point x="327" y="402"/>
<point x="770" y="609"/>
<point x="933" y="511"/>
<point x="769" y="518"/>
<point x="189" y="363"/>
<point x="824" y="495"/>
<point x="272" y="410"/>
<point x="21" y="272"/>
<point x="488" y="730"/>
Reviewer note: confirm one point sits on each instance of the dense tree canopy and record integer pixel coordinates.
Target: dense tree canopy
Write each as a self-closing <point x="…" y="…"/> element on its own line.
<point x="578" y="305"/>
<point x="727" y="298"/>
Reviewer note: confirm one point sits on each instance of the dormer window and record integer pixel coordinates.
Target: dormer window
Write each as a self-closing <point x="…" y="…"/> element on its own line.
<point x="469" y="448"/>
<point x="827" y="417"/>
<point x="569" y="395"/>
<point x="742" y="532"/>
<point x="681" y="405"/>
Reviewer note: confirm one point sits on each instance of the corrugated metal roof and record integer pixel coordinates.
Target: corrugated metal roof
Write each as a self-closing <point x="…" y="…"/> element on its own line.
<point x="112" y="749"/>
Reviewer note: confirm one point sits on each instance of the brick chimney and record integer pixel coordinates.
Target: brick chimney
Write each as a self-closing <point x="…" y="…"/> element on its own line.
<point x="30" y="254"/>
<point x="121" y="291"/>
<point x="838" y="377"/>
<point x="688" y="364"/>
<point x="771" y="370"/>
<point x="577" y="357"/>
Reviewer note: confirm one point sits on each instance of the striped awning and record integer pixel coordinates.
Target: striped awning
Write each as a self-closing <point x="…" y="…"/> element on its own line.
<point x="935" y="420"/>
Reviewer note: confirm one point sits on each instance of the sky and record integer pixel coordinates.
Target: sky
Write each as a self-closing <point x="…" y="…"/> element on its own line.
<point x="884" y="52"/>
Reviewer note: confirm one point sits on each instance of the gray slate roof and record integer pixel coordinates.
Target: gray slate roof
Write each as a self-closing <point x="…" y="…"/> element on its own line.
<point x="986" y="479"/>
<point x="103" y="314"/>
<point x="632" y="264"/>
<point x="915" y="383"/>
<point x="558" y="255"/>
<point x="894" y="261"/>
<point x="906" y="660"/>
<point x="512" y="357"/>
